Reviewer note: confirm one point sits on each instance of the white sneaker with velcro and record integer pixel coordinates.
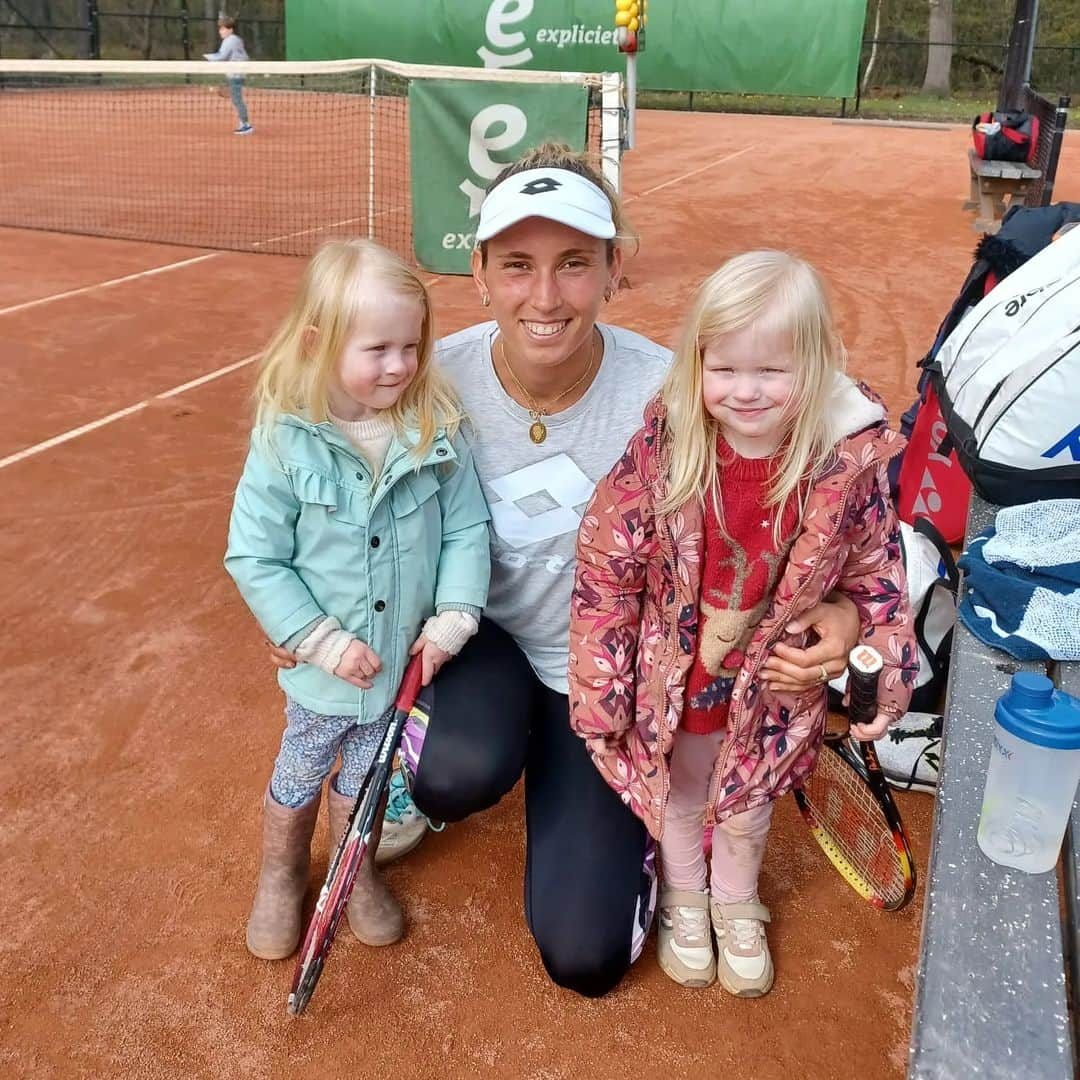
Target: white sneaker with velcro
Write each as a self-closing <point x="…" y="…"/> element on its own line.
<point x="684" y="941"/>
<point x="744" y="964"/>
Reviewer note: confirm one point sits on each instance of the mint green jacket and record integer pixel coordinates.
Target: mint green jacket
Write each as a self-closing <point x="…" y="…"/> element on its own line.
<point x="313" y="533"/>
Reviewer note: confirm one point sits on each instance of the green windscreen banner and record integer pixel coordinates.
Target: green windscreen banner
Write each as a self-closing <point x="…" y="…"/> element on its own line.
<point x="735" y="46"/>
<point x="461" y="134"/>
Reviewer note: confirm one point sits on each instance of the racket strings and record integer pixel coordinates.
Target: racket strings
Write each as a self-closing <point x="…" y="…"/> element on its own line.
<point x="851" y="819"/>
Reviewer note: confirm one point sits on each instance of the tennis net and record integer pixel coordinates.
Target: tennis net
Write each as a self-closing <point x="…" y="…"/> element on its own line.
<point x="147" y="150"/>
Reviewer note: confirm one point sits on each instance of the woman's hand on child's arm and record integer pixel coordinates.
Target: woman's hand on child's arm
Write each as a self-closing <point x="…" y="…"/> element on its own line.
<point x="358" y="665"/>
<point x="836" y="623"/>
<point x="870" y="732"/>
<point x="280" y="657"/>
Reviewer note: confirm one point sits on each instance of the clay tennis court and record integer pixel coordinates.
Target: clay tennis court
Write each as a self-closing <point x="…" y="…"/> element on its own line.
<point x="142" y="717"/>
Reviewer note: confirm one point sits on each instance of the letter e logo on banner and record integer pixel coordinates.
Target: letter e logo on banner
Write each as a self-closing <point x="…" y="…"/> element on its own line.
<point x="462" y="135"/>
<point x="501" y="14"/>
<point x="482" y="142"/>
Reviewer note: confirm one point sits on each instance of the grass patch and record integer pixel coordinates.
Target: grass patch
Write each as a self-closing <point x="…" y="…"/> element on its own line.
<point x="878" y="105"/>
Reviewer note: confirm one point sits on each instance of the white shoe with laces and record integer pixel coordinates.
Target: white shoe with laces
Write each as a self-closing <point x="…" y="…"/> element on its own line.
<point x="684" y="941"/>
<point x="403" y="825"/>
<point x="744" y="965"/>
<point x="910" y="754"/>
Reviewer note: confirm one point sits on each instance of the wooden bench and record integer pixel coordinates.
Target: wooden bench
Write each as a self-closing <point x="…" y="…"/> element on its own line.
<point x="992" y="182"/>
<point x="991" y="995"/>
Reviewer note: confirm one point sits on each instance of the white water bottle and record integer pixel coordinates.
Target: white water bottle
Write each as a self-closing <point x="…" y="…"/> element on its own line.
<point x="1033" y="774"/>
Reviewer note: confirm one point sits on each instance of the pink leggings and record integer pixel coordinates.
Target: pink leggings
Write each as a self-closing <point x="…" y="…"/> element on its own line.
<point x="738" y="845"/>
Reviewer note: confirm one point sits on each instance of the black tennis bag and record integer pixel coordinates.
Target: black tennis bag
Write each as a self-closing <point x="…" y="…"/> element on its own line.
<point x="1006" y="136"/>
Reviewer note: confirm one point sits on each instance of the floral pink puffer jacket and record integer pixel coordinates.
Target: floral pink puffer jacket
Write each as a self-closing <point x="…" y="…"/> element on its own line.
<point x="634" y="616"/>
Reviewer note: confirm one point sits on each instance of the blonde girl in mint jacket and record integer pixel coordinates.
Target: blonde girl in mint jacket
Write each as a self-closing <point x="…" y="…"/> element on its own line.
<point x="358" y="536"/>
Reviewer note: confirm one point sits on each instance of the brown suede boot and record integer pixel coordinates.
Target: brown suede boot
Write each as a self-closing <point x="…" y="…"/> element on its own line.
<point x="273" y="928"/>
<point x="375" y="916"/>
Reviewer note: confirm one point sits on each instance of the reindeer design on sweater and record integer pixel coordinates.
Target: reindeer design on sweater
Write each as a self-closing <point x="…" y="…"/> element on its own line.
<point x="725" y="628"/>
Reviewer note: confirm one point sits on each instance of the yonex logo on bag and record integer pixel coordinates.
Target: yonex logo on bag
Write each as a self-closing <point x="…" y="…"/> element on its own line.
<point x="1071" y="442"/>
<point x="541" y="186"/>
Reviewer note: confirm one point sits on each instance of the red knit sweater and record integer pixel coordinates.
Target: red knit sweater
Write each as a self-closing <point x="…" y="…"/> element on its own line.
<point x="738" y="578"/>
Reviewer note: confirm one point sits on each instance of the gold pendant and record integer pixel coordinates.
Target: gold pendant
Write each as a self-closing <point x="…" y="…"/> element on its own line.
<point x="537" y="432"/>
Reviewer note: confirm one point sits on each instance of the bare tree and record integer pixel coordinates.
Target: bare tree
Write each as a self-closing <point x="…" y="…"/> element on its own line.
<point x="939" y="49"/>
<point x="873" y="49"/>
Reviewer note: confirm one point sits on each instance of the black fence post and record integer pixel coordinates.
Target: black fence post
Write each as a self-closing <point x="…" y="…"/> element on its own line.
<point x="185" y="29"/>
<point x="858" y="83"/>
<point x="93" y="21"/>
<point x="1061" y="116"/>
<point x="1018" y="58"/>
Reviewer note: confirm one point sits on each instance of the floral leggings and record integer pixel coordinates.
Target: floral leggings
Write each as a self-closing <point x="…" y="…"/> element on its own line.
<point x="310" y="746"/>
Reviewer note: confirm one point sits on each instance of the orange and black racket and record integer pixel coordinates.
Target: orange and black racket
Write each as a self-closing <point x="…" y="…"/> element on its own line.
<point x="353" y="847"/>
<point x="847" y="803"/>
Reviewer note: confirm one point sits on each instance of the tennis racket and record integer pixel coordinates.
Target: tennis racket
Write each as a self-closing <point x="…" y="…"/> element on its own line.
<point x="847" y="803"/>
<point x="353" y="847"/>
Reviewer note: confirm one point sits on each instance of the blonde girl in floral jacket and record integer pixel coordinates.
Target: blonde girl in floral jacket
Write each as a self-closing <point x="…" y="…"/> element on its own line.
<point x="756" y="487"/>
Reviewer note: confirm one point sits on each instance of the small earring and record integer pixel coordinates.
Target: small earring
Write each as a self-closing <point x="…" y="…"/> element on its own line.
<point x="608" y="295"/>
<point x="485" y="300"/>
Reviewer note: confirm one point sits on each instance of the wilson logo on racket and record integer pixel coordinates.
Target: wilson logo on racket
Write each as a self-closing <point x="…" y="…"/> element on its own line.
<point x="866" y="659"/>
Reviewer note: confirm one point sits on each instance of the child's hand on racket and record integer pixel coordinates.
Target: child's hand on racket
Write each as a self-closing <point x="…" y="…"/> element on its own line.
<point x="432" y="658"/>
<point x="874" y="731"/>
<point x="358" y="665"/>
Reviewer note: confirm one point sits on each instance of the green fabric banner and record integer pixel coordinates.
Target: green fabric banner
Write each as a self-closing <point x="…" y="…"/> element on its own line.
<point x="739" y="46"/>
<point x="460" y="137"/>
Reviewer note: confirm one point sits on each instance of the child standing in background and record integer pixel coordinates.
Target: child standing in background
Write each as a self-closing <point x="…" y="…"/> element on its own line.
<point x="358" y="537"/>
<point x="232" y="48"/>
<point x="756" y="487"/>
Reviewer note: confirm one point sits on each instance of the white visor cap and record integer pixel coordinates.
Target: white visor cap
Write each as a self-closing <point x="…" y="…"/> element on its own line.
<point x="555" y="194"/>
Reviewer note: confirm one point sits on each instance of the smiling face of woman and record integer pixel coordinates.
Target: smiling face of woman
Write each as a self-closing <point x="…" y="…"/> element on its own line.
<point x="546" y="282"/>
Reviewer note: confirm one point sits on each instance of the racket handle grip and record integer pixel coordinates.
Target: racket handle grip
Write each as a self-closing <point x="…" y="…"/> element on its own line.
<point x="410" y="684"/>
<point x="864" y="670"/>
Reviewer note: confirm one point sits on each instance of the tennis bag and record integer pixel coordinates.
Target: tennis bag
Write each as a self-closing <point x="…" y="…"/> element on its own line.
<point x="1008" y="381"/>
<point x="932" y="580"/>
<point x="1006" y="136"/>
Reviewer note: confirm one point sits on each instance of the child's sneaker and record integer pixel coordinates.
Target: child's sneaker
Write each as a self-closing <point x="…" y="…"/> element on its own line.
<point x="743" y="963"/>
<point x="243" y="129"/>
<point x="910" y="754"/>
<point x="685" y="944"/>
<point x="403" y="825"/>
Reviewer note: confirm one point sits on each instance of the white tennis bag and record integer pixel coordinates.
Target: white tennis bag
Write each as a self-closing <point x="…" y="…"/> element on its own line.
<point x="1008" y="379"/>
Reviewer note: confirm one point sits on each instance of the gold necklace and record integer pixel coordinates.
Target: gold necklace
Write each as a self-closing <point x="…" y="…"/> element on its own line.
<point x="538" y="429"/>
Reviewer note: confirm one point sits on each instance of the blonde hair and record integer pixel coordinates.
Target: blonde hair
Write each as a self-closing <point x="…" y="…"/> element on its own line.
<point x="553" y="155"/>
<point x="297" y="366"/>
<point x="775" y="291"/>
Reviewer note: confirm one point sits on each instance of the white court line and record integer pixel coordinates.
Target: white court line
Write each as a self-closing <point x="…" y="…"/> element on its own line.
<point x="693" y="172"/>
<point x="304" y="232"/>
<point x="323" y="228"/>
<point x="107" y="284"/>
<point x="30" y="451"/>
<point x="74" y="433"/>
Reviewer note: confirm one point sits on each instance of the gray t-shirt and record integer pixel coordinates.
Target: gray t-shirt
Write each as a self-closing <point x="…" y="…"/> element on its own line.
<point x="537" y="493"/>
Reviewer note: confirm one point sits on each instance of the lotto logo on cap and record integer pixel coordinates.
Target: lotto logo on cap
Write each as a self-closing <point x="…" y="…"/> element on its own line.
<point x="556" y="194"/>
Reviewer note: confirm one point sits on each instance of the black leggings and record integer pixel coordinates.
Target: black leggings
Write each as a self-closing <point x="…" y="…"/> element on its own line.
<point x="492" y="718"/>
